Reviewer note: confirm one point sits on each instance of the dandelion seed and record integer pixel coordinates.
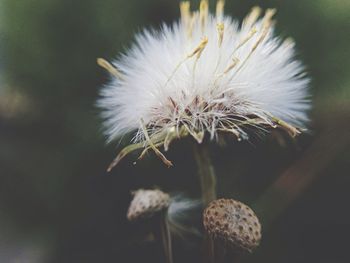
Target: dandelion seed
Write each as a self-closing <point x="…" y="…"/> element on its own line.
<point x="204" y="75"/>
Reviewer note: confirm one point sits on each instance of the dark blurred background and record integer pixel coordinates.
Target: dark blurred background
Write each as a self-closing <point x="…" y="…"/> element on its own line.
<point x="57" y="203"/>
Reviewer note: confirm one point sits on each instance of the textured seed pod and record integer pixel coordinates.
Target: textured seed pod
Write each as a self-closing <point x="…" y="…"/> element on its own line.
<point x="234" y="223"/>
<point x="146" y="203"/>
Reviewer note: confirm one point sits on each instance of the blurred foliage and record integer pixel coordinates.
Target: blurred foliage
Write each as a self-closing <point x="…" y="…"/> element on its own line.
<point x="57" y="204"/>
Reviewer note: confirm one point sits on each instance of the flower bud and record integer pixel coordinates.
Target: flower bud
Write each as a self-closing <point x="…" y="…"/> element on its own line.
<point x="146" y="203"/>
<point x="234" y="223"/>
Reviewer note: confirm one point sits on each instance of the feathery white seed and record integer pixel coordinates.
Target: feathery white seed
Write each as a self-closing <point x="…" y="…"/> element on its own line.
<point x="205" y="74"/>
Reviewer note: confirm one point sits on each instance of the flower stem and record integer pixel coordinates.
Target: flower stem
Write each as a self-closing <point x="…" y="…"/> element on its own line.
<point x="207" y="179"/>
<point x="166" y="238"/>
<point x="206" y="173"/>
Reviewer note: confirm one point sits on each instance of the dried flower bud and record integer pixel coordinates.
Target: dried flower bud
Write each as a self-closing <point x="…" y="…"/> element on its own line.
<point x="146" y="203"/>
<point x="232" y="222"/>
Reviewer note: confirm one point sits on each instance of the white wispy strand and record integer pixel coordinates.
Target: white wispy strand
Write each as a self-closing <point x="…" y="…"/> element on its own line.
<point x="180" y="211"/>
<point x="244" y="76"/>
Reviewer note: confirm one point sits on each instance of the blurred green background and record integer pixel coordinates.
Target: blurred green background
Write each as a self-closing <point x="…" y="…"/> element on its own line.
<point x="57" y="204"/>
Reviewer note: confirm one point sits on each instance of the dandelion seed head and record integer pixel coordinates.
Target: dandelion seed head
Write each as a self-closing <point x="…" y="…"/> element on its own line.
<point x="206" y="74"/>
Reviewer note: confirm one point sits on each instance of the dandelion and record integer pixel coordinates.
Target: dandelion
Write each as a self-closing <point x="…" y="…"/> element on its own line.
<point x="204" y="75"/>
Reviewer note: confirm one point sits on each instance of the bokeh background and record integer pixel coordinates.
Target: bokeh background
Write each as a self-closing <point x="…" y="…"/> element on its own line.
<point x="57" y="203"/>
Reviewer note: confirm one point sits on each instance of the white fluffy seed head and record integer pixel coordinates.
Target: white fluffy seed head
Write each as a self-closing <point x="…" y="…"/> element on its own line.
<point x="205" y="74"/>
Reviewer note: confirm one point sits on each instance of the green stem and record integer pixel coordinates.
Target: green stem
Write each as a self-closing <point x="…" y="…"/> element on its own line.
<point x="166" y="238"/>
<point x="206" y="173"/>
<point x="207" y="179"/>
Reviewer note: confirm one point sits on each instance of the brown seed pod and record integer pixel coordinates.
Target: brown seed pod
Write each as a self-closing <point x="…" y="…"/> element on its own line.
<point x="146" y="203"/>
<point x="234" y="223"/>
